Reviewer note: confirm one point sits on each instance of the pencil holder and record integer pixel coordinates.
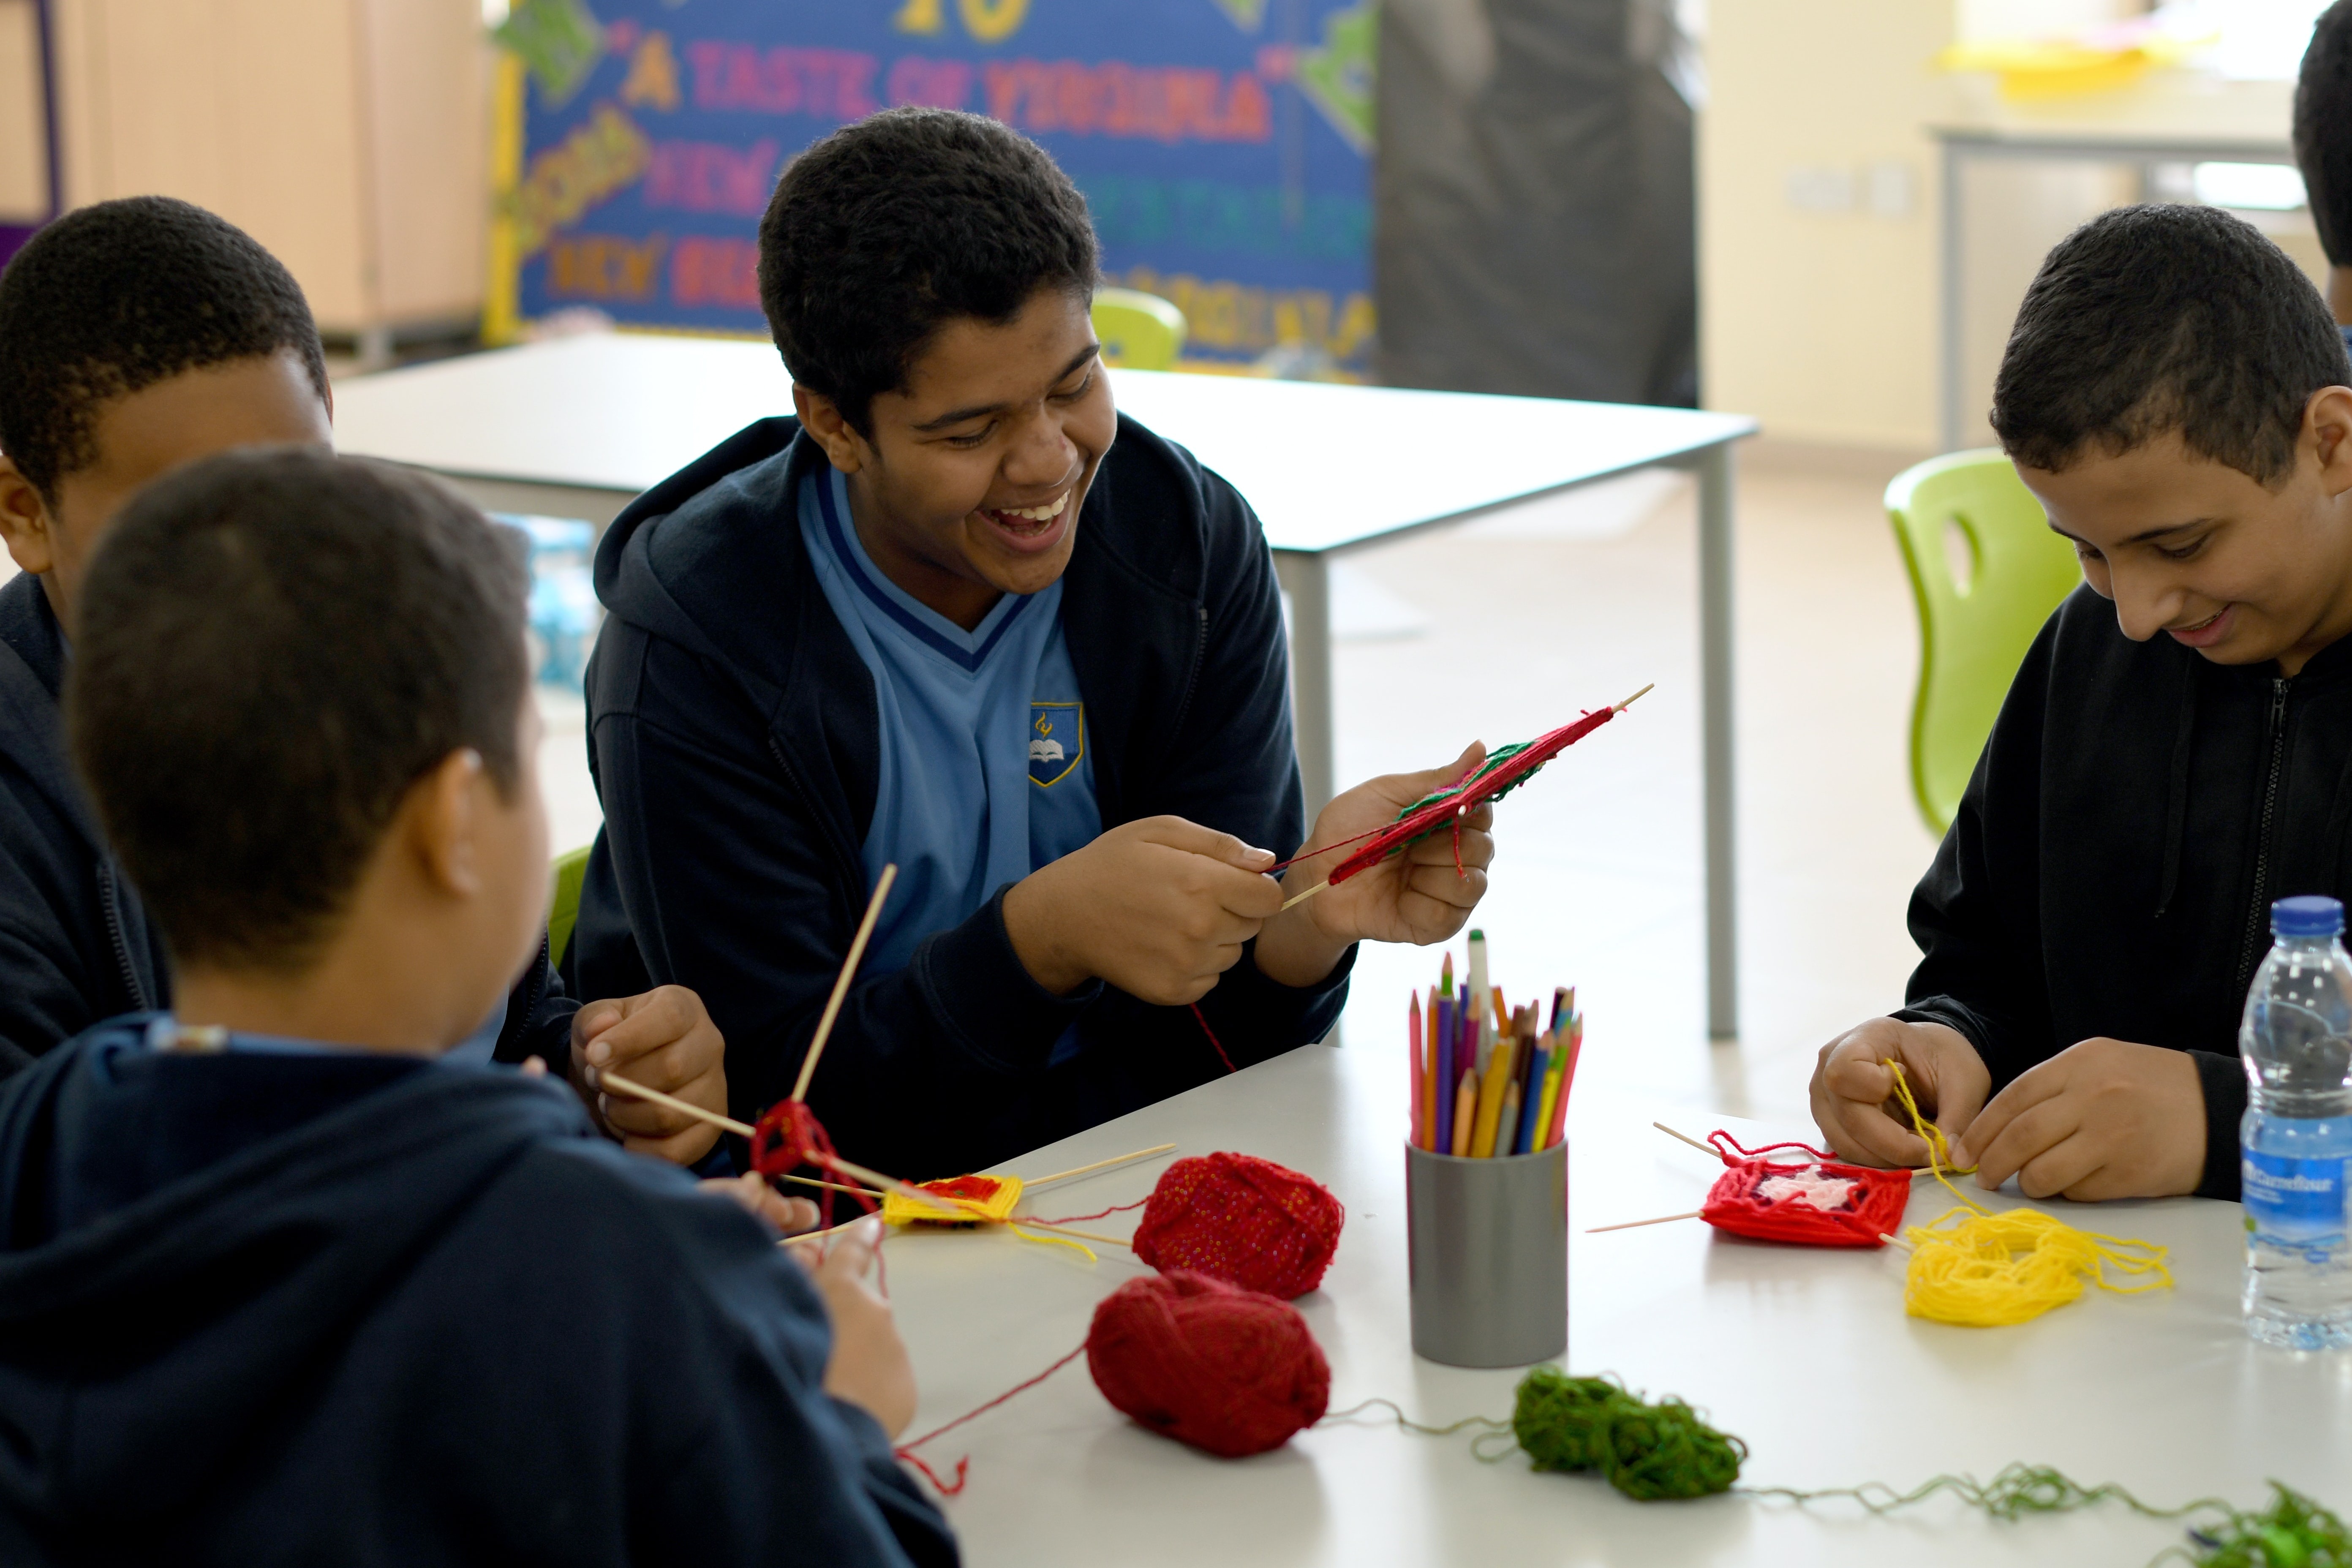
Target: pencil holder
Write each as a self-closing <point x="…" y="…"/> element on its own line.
<point x="1489" y="1246"/>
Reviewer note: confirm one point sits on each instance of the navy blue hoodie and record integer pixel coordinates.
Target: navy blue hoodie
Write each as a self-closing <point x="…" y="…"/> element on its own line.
<point x="342" y="1308"/>
<point x="735" y="739"/>
<point x="75" y="945"/>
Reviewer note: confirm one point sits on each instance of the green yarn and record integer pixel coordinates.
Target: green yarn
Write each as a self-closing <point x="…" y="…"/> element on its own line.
<point x="2293" y="1532"/>
<point x="1653" y="1451"/>
<point x="1647" y="1451"/>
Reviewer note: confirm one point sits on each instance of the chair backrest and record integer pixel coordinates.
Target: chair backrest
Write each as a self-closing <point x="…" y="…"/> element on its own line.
<point x="1139" y="331"/>
<point x="564" y="909"/>
<point x="1967" y="513"/>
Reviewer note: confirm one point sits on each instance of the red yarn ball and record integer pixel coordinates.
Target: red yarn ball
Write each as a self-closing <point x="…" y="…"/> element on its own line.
<point x="1231" y="1371"/>
<point x="1245" y="1220"/>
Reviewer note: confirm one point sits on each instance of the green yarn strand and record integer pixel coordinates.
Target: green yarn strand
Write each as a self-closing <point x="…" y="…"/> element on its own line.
<point x="1649" y="1452"/>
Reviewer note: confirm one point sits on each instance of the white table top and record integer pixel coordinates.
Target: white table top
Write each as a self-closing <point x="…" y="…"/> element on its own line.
<point x="1326" y="467"/>
<point x="1807" y="1353"/>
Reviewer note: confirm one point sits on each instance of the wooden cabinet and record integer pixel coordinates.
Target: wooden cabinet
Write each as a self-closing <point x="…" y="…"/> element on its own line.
<point x="349" y="136"/>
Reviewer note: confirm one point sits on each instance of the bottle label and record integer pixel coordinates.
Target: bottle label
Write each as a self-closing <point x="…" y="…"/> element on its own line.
<point x="2290" y="1200"/>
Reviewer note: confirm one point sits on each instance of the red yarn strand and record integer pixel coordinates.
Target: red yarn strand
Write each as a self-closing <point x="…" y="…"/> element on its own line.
<point x="907" y="1451"/>
<point x="1201" y="1018"/>
<point x="1098" y="1214"/>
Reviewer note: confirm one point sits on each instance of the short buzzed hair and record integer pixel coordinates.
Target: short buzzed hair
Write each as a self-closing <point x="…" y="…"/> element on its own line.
<point x="111" y="300"/>
<point x="274" y="646"/>
<point x="2153" y="319"/>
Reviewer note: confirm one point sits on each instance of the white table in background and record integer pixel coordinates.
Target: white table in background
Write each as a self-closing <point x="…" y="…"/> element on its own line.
<point x="1805" y="1352"/>
<point x="580" y="426"/>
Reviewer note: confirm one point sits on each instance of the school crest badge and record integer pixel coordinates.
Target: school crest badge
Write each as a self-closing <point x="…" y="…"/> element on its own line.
<point x="1057" y="741"/>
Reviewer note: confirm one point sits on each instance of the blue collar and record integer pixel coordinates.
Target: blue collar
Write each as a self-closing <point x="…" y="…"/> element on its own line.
<point x="853" y="563"/>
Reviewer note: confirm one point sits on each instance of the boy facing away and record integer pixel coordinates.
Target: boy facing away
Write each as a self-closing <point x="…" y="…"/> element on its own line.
<point x="962" y="617"/>
<point x="2176" y="751"/>
<point x="136" y="336"/>
<point x="278" y="1281"/>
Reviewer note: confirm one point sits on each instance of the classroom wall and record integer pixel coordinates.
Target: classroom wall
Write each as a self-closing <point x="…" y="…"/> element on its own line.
<point x="1817" y="200"/>
<point x="349" y="136"/>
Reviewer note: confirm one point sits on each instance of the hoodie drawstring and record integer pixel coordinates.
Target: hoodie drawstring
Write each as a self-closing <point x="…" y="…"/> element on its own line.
<point x="2176" y="805"/>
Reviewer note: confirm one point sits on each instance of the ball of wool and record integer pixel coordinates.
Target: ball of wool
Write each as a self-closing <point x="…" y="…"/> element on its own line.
<point x="1245" y="1220"/>
<point x="1647" y="1451"/>
<point x="1231" y="1371"/>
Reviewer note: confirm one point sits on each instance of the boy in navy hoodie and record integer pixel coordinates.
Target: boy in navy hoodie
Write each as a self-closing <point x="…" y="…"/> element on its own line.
<point x="962" y="617"/>
<point x="278" y="1281"/>
<point x="135" y="336"/>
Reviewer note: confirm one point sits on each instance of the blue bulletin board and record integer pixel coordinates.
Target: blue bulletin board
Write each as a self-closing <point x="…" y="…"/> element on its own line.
<point x="1223" y="146"/>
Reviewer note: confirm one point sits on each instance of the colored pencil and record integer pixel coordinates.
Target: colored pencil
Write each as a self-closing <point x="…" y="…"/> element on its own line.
<point x="1443" y="1111"/>
<point x="1429" y="1078"/>
<point x="1412" y="1064"/>
<point x="1507" y="1126"/>
<point x="1532" y="1102"/>
<point x="1465" y="1113"/>
<point x="1490" y="1100"/>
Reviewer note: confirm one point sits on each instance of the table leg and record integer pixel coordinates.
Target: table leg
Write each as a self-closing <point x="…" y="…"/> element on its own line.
<point x="1306" y="578"/>
<point x="1717" y="698"/>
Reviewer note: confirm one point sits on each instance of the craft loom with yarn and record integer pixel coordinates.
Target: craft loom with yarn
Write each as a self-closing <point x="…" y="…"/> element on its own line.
<point x="1505" y="770"/>
<point x="1818" y="1201"/>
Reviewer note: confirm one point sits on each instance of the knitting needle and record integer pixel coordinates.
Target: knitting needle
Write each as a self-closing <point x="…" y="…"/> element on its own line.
<point x="841" y="985"/>
<point x="1630" y="1224"/>
<point x="838" y="1165"/>
<point x="1017" y="1221"/>
<point x="1686" y="1138"/>
<point x="1097" y="1165"/>
<point x="1302" y="898"/>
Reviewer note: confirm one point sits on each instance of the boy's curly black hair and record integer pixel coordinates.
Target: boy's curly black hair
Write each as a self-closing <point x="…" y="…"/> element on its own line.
<point x="113" y="298"/>
<point x="2152" y="319"/>
<point x="2323" y="129"/>
<point x="885" y="230"/>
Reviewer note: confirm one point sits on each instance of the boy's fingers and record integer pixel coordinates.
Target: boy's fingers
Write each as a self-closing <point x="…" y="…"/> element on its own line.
<point x="2027" y="1142"/>
<point x="1855" y="1075"/>
<point x="849" y="1253"/>
<point x="642" y="1024"/>
<point x="1194" y="839"/>
<point x="2028" y="1089"/>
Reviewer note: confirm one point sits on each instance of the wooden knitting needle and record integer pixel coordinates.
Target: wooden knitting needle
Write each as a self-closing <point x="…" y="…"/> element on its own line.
<point x="841" y="985"/>
<point x="834" y="1162"/>
<point x="1686" y="1137"/>
<point x="1097" y="1165"/>
<point x="1017" y="1221"/>
<point x="1630" y="1224"/>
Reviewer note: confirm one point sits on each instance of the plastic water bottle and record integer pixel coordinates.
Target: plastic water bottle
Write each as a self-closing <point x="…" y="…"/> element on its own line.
<point x="2296" y="1138"/>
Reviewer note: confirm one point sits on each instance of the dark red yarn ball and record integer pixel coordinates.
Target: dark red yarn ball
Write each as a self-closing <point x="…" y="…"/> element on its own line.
<point x="1245" y="1220"/>
<point x="1231" y="1371"/>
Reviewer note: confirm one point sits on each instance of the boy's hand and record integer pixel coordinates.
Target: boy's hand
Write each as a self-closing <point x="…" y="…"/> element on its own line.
<point x="2105" y="1119"/>
<point x="1416" y="896"/>
<point x="870" y="1366"/>
<point x="790" y="1216"/>
<point x="665" y="1040"/>
<point x="1853" y="1090"/>
<point x="1158" y="908"/>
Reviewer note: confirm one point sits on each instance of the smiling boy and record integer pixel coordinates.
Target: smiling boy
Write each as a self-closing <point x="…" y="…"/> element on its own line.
<point x="137" y="336"/>
<point x="962" y="617"/>
<point x="2176" y="751"/>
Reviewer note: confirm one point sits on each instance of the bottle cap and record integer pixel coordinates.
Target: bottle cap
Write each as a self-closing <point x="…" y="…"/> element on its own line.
<point x="2308" y="916"/>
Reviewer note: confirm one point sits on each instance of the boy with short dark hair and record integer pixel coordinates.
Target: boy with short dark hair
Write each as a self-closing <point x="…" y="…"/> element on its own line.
<point x="962" y="617"/>
<point x="135" y="336"/>
<point x="278" y="1281"/>
<point x="2323" y="148"/>
<point x="2176" y="751"/>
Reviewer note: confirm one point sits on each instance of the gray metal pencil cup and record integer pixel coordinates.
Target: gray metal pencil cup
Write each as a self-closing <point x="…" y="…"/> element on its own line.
<point x="1488" y="1241"/>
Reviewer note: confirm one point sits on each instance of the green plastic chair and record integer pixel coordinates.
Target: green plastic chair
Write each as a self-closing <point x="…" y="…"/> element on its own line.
<point x="564" y="909"/>
<point x="1139" y="331"/>
<point x="1973" y="634"/>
